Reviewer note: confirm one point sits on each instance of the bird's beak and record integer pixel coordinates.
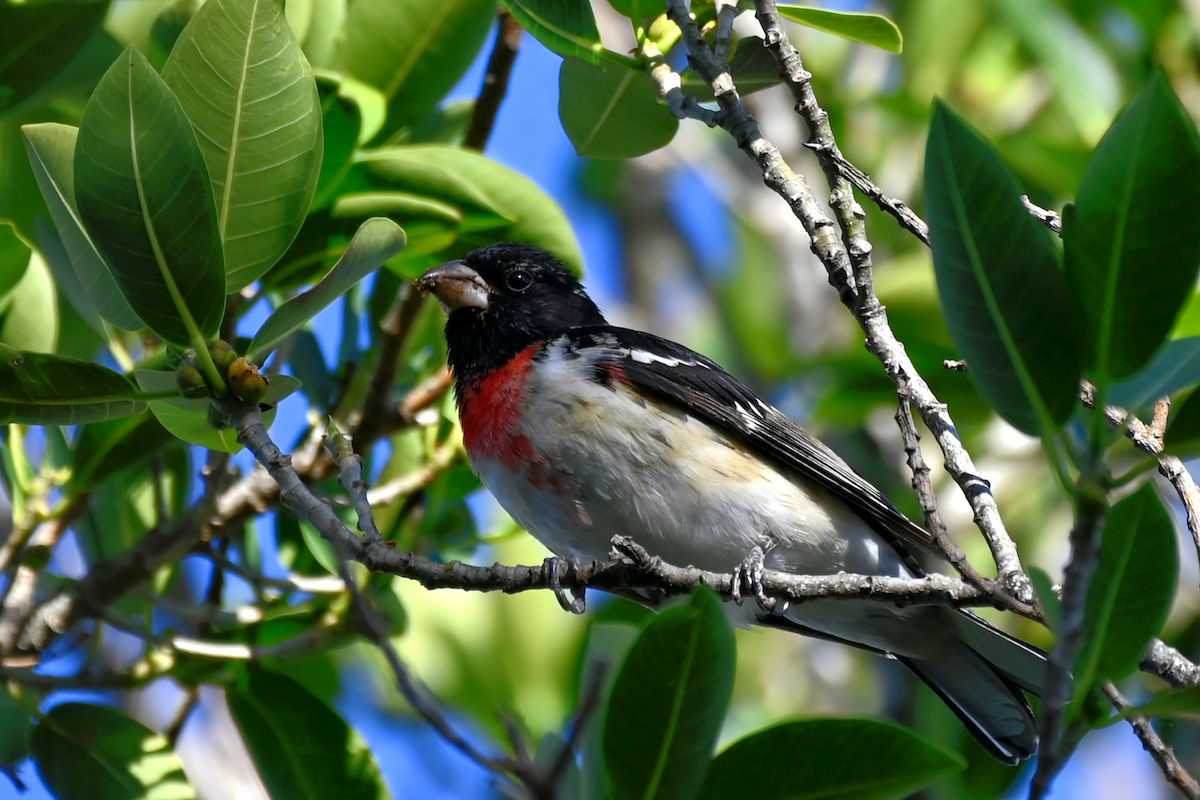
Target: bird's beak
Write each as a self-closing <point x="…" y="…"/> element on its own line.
<point x="456" y="286"/>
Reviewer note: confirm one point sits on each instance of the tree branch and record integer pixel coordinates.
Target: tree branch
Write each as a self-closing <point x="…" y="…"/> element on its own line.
<point x="1162" y="753"/>
<point x="495" y="81"/>
<point x="781" y="179"/>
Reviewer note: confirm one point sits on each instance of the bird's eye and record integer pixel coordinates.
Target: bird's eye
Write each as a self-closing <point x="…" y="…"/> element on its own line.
<point x="518" y="280"/>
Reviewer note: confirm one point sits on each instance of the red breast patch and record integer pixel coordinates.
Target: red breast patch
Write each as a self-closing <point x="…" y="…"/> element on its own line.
<point x="491" y="415"/>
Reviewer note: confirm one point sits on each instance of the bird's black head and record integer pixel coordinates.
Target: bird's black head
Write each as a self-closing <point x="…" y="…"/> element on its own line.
<point x="501" y="299"/>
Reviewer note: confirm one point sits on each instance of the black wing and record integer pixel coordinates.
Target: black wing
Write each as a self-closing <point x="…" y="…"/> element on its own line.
<point x="673" y="372"/>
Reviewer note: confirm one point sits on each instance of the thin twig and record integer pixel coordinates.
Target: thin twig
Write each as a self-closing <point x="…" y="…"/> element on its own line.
<point x="907" y="218"/>
<point x="1171" y="665"/>
<point x="1162" y="753"/>
<point x="1049" y="218"/>
<point x="349" y="467"/>
<point x="923" y="486"/>
<point x="495" y="81"/>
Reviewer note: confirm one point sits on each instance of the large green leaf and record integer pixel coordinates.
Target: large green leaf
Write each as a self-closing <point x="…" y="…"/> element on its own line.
<point x="244" y="83"/>
<point x="568" y="28"/>
<point x="130" y="502"/>
<point x="414" y="51"/>
<point x="873" y="29"/>
<point x="90" y="752"/>
<point x="324" y="29"/>
<point x="15" y="727"/>
<point x="187" y="418"/>
<point x="104" y="448"/>
<point x="303" y="750"/>
<point x="610" y="112"/>
<point x="29" y="319"/>
<point x="144" y="196"/>
<point x="51" y="149"/>
<point x="827" y="759"/>
<point x="668" y="702"/>
<point x="1131" y="253"/>
<point x="41" y="389"/>
<point x="341" y="123"/>
<point x="1004" y="297"/>
<point x="375" y="242"/>
<point x="38" y="40"/>
<point x="466" y="178"/>
<point x="1131" y="590"/>
<point x="14" y="258"/>
<point x="1175" y="366"/>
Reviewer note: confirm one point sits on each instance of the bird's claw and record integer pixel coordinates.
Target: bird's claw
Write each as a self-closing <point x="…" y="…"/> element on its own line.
<point x="749" y="577"/>
<point x="552" y="569"/>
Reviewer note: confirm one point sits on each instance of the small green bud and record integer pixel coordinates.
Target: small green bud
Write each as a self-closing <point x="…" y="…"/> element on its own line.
<point x="221" y="353"/>
<point x="661" y="27"/>
<point x="191" y="382"/>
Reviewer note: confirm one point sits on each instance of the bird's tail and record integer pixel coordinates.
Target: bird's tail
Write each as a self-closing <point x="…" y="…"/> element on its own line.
<point x="983" y="678"/>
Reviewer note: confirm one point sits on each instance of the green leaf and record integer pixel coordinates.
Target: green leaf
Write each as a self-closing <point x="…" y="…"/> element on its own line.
<point x="29" y="317"/>
<point x="827" y="759"/>
<point x="466" y="178"/>
<point x="566" y="27"/>
<point x="89" y="752"/>
<point x="303" y="750"/>
<point x="341" y="122"/>
<point x="610" y="112"/>
<point x="167" y="28"/>
<point x="51" y="150"/>
<point x="402" y="204"/>
<point x="375" y="242"/>
<point x="41" y="389"/>
<point x="125" y="504"/>
<point x="321" y="549"/>
<point x="143" y="194"/>
<point x="1170" y="705"/>
<point x="38" y="40"/>
<point x="1183" y="432"/>
<point x="638" y="10"/>
<point x="752" y="66"/>
<point x="14" y="258"/>
<point x="323" y="31"/>
<point x="187" y="418"/>
<point x="998" y="277"/>
<point x="104" y="448"/>
<point x="1176" y="366"/>
<point x="1131" y="590"/>
<point x="15" y="727"/>
<point x="1044" y="587"/>
<point x="668" y="702"/>
<point x="873" y="29"/>
<point x="414" y="51"/>
<point x="1131" y="254"/>
<point x="244" y="83"/>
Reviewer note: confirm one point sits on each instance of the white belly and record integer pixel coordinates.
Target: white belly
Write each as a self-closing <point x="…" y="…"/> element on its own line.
<point x="682" y="489"/>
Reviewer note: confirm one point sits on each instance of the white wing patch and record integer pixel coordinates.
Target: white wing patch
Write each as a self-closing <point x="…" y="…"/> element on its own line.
<point x="646" y="357"/>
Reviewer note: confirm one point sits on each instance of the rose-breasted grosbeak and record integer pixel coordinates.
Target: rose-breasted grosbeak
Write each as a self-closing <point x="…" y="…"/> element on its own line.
<point x="583" y="430"/>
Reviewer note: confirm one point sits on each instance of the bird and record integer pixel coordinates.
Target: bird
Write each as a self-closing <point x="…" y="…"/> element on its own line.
<point x="582" y="430"/>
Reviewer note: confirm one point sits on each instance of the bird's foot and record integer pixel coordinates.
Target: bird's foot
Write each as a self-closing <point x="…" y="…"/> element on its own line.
<point x="749" y="577"/>
<point x="552" y="570"/>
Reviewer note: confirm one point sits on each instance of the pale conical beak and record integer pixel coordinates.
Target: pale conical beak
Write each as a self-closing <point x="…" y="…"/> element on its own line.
<point x="455" y="285"/>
